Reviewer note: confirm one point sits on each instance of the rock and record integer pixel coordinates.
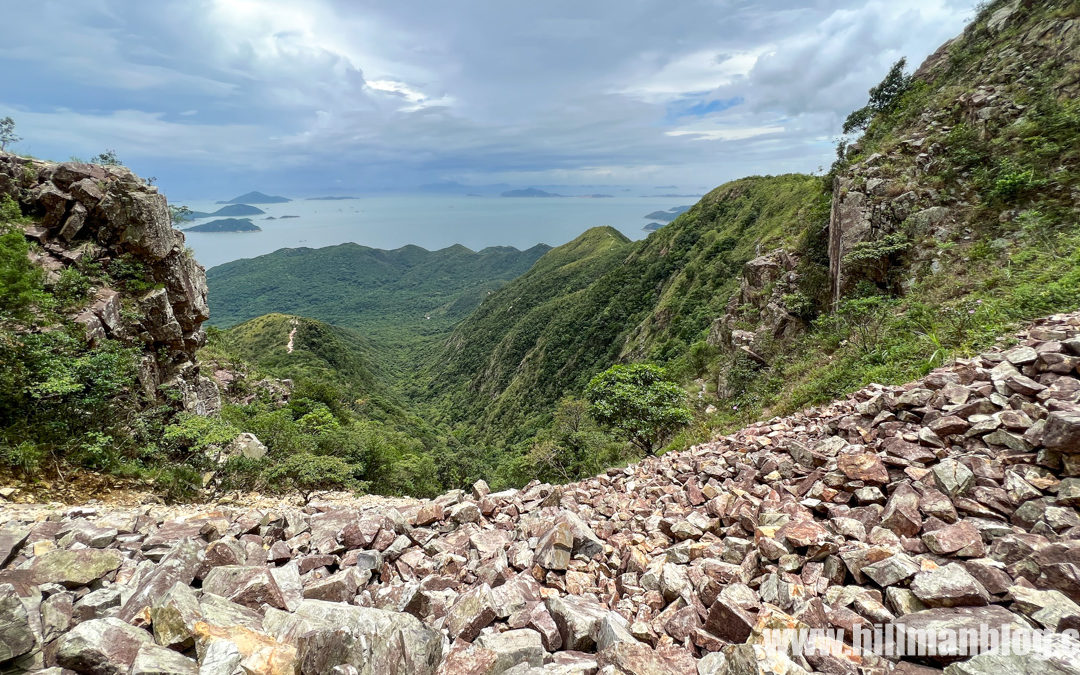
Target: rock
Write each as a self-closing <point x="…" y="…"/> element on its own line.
<point x="246" y="445"/>
<point x="892" y="570"/>
<point x="178" y="566"/>
<point x="635" y="658"/>
<point x="242" y="649"/>
<point x="471" y="612"/>
<point x="155" y="660"/>
<point x="1059" y="658"/>
<point x="338" y="587"/>
<point x="76" y="567"/>
<point x="901" y="514"/>
<point x="391" y="642"/>
<point x="952" y="477"/>
<point x="247" y="586"/>
<point x="864" y="466"/>
<point x="16" y="636"/>
<point x="555" y="546"/>
<point x="101" y="647"/>
<point x="11" y="539"/>
<point x="961" y="539"/>
<point x="918" y="626"/>
<point x="513" y="647"/>
<point x="578" y="620"/>
<point x="174" y="615"/>
<point x="1047" y="608"/>
<point x="465" y="512"/>
<point x="1062" y="432"/>
<point x="729" y="621"/>
<point x="949" y="586"/>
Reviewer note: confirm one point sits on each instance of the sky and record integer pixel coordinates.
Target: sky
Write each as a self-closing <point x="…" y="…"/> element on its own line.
<point x="218" y="97"/>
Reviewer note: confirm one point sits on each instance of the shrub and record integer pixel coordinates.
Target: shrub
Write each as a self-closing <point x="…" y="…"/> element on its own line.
<point x="640" y="402"/>
<point x="308" y="474"/>
<point x="20" y="280"/>
<point x="1013" y="182"/>
<point x="72" y="288"/>
<point x="865" y="320"/>
<point x="10" y="211"/>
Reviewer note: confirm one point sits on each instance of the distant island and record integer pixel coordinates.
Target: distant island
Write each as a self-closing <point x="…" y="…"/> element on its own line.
<point x="284" y="217"/>
<point x="327" y="199"/>
<point x="255" y="198"/>
<point x="227" y="211"/>
<point x="653" y="227"/>
<point x="669" y="215"/>
<point x="226" y="225"/>
<point x="529" y="192"/>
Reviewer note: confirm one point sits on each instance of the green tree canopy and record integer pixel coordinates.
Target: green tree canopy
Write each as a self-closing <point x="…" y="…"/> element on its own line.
<point x="882" y="98"/>
<point x="640" y="402"/>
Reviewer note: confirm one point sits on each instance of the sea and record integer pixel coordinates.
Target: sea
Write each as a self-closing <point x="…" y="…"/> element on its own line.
<point x="426" y="220"/>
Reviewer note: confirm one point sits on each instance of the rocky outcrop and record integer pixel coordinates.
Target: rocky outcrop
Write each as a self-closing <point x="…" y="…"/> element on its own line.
<point x="757" y="315"/>
<point x="86" y="213"/>
<point x="948" y="503"/>
<point x="1017" y="51"/>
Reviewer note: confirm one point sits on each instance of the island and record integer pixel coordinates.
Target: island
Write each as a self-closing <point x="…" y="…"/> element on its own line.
<point x="255" y="198"/>
<point x="653" y="227"/>
<point x="226" y="225"/>
<point x="228" y="211"/>
<point x="529" y="192"/>
<point x="669" y="215"/>
<point x="284" y="217"/>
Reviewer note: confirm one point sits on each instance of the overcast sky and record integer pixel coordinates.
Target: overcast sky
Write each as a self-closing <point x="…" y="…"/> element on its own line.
<point x="218" y="96"/>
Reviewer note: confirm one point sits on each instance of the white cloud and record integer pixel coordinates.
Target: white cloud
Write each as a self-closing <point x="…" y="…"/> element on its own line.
<point x="700" y="71"/>
<point x="727" y="134"/>
<point x="381" y="93"/>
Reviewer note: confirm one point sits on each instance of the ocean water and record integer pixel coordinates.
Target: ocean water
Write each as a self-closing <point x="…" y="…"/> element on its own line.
<point x="429" y="221"/>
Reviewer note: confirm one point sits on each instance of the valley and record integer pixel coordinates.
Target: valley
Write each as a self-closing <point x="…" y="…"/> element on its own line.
<point x="839" y="402"/>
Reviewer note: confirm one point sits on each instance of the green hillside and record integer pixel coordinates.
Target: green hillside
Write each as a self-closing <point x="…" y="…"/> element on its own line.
<point x="401" y="300"/>
<point x="297" y="347"/>
<point x="601" y="299"/>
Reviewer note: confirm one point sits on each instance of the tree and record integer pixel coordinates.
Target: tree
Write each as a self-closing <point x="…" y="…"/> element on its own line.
<point x="7" y="133"/>
<point x="107" y="158"/>
<point x="308" y="474"/>
<point x="179" y="214"/>
<point x="883" y="98"/>
<point x="639" y="401"/>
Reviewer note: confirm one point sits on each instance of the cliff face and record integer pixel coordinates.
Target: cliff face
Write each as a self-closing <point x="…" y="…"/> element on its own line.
<point x="107" y="216"/>
<point x="984" y="109"/>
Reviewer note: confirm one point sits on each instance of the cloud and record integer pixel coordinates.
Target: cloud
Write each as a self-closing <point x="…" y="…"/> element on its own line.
<point x="304" y="95"/>
<point x="730" y="134"/>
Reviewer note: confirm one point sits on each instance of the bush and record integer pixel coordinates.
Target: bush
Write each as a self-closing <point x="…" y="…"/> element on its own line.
<point x="865" y="320"/>
<point x="308" y="474"/>
<point x="21" y="282"/>
<point x="72" y="288"/>
<point x="1013" y="182"/>
<point x="640" y="402"/>
<point x="10" y="211"/>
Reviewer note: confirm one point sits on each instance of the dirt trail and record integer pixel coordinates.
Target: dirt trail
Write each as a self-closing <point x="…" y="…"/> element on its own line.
<point x="292" y="334"/>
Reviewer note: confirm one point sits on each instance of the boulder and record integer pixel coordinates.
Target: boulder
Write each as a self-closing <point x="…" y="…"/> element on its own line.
<point x="76" y="567"/>
<point x="101" y="647"/>
<point x="949" y="586"/>
<point x="16" y="636"/>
